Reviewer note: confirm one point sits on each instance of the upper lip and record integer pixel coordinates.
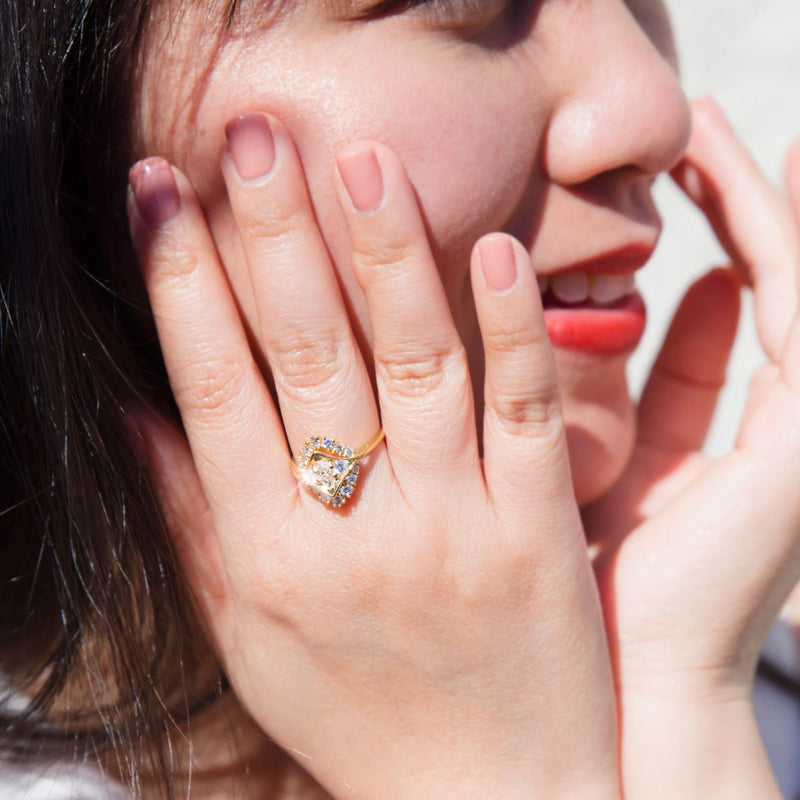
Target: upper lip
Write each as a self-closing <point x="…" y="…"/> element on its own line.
<point x="627" y="258"/>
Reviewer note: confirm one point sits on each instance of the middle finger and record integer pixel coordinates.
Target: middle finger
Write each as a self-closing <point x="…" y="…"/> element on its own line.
<point x="322" y="383"/>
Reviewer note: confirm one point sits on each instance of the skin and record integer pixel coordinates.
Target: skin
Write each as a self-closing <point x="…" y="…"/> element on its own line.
<point x="587" y="121"/>
<point x="591" y="112"/>
<point x="697" y="555"/>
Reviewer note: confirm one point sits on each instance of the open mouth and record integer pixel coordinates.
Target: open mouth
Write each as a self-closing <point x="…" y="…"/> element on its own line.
<point x="598" y="290"/>
<point x="596" y="313"/>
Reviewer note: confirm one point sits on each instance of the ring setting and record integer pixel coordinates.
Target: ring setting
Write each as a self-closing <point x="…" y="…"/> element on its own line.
<point x="330" y="469"/>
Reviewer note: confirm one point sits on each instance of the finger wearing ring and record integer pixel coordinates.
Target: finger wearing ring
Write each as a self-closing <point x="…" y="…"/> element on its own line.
<point x="330" y="469"/>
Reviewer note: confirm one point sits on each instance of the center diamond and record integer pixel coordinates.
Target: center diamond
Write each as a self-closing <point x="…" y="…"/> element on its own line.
<point x="329" y="469"/>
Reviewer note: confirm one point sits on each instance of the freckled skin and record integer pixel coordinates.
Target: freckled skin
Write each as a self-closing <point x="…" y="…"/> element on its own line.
<point x="553" y="134"/>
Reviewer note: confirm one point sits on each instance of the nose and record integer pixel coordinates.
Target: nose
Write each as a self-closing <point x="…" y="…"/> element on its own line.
<point x="618" y="106"/>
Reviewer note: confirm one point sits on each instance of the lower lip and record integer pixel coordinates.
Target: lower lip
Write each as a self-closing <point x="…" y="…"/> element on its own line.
<point x="607" y="330"/>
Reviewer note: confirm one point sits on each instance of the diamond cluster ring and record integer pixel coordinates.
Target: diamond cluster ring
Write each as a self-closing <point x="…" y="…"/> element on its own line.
<point x="330" y="469"/>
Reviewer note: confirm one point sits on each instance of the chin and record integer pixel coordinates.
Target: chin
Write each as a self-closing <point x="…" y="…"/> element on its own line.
<point x="596" y="462"/>
<point x="601" y="426"/>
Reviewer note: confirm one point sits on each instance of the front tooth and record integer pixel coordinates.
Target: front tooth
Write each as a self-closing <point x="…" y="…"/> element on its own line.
<point x="570" y="287"/>
<point x="608" y="288"/>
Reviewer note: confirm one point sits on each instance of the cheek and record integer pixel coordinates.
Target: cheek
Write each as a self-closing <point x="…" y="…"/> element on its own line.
<point x="468" y="172"/>
<point x="469" y="149"/>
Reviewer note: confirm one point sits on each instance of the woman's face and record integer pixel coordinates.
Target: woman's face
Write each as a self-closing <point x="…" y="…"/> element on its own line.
<point x="545" y="119"/>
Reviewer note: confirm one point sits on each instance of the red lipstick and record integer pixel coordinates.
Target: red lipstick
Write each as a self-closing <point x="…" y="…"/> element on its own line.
<point x="599" y="330"/>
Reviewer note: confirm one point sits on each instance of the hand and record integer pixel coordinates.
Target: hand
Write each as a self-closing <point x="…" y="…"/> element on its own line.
<point x="441" y="635"/>
<point x="697" y="555"/>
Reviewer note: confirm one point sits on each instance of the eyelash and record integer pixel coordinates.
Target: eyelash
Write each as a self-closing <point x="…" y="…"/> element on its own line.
<point x="466" y="11"/>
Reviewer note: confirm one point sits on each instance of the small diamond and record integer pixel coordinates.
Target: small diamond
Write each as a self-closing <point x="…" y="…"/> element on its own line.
<point x="351" y="479"/>
<point x="340" y="467"/>
<point x="338" y="501"/>
<point x="355" y="469"/>
<point x="328" y="443"/>
<point x="348" y="452"/>
<point x="347" y="490"/>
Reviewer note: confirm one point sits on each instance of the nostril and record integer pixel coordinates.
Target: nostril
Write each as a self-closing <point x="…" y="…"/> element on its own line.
<point x="626" y="191"/>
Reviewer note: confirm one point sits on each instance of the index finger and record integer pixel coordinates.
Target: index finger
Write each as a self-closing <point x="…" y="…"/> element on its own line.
<point x="752" y="219"/>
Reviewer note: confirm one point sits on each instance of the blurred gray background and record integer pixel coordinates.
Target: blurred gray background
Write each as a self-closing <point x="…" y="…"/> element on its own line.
<point x="746" y="54"/>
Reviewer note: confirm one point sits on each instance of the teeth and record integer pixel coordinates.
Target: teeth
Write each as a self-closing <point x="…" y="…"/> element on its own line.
<point x="577" y="287"/>
<point x="570" y="287"/>
<point x="610" y="288"/>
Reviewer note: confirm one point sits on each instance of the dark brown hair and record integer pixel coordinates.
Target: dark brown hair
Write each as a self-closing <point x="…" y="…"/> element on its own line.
<point x="96" y="627"/>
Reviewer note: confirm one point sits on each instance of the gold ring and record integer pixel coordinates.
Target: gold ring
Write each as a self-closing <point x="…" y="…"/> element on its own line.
<point x="330" y="469"/>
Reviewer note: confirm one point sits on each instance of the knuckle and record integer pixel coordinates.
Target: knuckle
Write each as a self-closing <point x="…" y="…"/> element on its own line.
<point x="177" y="267"/>
<point x="413" y="373"/>
<point x="504" y="341"/>
<point x="380" y="252"/>
<point x="282" y="223"/>
<point x="304" y="362"/>
<point x="531" y="413"/>
<point x="209" y="386"/>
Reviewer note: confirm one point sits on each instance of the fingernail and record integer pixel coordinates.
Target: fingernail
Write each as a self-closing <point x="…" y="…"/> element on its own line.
<point x="251" y="145"/>
<point x="155" y="190"/>
<point x="692" y="181"/>
<point x="707" y="106"/>
<point x="362" y="177"/>
<point x="498" y="262"/>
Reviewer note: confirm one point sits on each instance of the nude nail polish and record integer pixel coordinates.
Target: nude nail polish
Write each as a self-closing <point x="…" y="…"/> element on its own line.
<point x="362" y="177"/>
<point x="498" y="262"/>
<point x="251" y="145"/>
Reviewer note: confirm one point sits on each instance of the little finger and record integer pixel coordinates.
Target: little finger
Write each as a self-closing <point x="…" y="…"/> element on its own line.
<point x="230" y="421"/>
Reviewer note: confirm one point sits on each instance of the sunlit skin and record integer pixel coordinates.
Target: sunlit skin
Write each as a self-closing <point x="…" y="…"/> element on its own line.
<point x="553" y="131"/>
<point x="548" y="121"/>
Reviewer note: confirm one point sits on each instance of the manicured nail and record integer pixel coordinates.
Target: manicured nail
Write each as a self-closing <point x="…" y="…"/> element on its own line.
<point x="155" y="190"/>
<point x="709" y="108"/>
<point x="251" y="145"/>
<point x="498" y="262"/>
<point x="362" y="177"/>
<point x="692" y="180"/>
